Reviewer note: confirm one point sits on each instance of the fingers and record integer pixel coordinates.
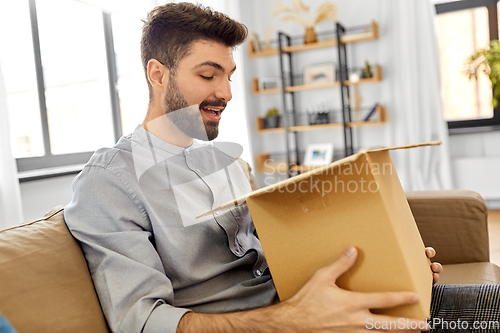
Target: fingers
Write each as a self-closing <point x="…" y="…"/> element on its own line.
<point x="436" y="267"/>
<point x="386" y="299"/>
<point x="430" y="252"/>
<point x="342" y="264"/>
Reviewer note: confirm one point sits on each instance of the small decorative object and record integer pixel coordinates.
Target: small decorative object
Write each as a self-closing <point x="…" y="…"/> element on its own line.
<point x="489" y="61"/>
<point x="272" y="118"/>
<point x="319" y="74"/>
<point x="310" y="36"/>
<point x="358" y="99"/>
<point x="318" y="154"/>
<point x="299" y="13"/>
<point x="269" y="83"/>
<point x="367" y="71"/>
<point x="253" y="38"/>
<point x="370" y="114"/>
<point x="318" y="114"/>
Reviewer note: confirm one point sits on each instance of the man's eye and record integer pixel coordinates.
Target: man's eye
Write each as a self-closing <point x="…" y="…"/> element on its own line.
<point x="206" y="77"/>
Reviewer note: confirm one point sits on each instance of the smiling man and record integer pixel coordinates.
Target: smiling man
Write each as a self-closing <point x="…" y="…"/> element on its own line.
<point x="198" y="85"/>
<point x="155" y="266"/>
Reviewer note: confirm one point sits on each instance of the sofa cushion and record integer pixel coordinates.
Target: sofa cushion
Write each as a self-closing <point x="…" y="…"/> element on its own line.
<point x="471" y="273"/>
<point x="44" y="280"/>
<point x="454" y="223"/>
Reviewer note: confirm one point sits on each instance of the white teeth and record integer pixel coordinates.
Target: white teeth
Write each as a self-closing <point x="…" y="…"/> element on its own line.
<point x="214" y="112"/>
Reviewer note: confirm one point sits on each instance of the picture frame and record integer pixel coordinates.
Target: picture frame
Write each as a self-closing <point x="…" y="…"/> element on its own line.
<point x="319" y="74"/>
<point x="318" y="154"/>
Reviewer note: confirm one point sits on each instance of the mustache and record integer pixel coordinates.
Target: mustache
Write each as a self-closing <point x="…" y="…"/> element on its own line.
<point x="215" y="102"/>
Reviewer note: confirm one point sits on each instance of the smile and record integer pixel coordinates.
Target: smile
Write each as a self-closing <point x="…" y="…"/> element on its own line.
<point x="212" y="112"/>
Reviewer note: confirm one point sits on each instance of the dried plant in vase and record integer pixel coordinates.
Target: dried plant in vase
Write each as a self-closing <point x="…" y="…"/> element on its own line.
<point x="300" y="13"/>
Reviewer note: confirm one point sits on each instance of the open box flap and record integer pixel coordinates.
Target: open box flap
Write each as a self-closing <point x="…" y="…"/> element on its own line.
<point x="315" y="171"/>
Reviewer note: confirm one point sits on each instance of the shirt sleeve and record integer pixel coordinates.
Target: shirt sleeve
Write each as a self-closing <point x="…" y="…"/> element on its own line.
<point x="117" y="240"/>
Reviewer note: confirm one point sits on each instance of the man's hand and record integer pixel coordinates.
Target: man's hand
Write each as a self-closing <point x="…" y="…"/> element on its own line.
<point x="320" y="306"/>
<point x="435" y="266"/>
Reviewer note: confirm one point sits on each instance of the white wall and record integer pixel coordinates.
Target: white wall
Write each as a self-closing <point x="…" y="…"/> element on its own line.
<point x="40" y="196"/>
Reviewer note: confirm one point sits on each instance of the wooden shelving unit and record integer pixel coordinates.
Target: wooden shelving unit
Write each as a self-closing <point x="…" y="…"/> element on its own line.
<point x="377" y="77"/>
<point x="284" y="51"/>
<point x="347" y="39"/>
<point x="381" y="119"/>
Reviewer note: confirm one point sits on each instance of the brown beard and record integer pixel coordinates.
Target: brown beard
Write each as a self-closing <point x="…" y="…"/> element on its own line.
<point x="188" y="118"/>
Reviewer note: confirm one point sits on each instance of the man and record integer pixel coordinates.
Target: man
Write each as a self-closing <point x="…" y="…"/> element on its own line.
<point x="157" y="268"/>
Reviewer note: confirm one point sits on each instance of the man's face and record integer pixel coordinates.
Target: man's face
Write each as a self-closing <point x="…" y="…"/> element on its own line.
<point x="199" y="89"/>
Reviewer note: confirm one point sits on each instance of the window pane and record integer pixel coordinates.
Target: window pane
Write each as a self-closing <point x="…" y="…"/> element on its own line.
<point x="132" y="85"/>
<point x="76" y="76"/>
<point x="18" y="68"/>
<point x="460" y="35"/>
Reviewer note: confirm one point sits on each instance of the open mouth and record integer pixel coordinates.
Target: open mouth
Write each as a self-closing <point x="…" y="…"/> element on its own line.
<point x="212" y="112"/>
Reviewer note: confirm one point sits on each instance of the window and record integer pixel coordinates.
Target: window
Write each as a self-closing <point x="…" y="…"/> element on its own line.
<point x="132" y="87"/>
<point x="464" y="27"/>
<point x="20" y="80"/>
<point x="72" y="85"/>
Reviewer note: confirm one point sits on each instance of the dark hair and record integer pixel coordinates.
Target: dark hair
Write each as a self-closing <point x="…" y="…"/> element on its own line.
<point x="170" y="30"/>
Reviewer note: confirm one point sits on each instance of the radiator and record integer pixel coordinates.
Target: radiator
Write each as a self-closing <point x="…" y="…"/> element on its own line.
<point x="480" y="174"/>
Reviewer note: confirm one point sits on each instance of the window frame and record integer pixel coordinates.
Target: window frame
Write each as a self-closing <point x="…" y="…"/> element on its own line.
<point x="463" y="126"/>
<point x="49" y="160"/>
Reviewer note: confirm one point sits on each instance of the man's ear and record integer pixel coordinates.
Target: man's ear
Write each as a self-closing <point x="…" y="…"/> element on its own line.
<point x="157" y="75"/>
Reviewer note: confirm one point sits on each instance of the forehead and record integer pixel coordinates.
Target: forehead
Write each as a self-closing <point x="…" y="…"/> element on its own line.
<point x="208" y="51"/>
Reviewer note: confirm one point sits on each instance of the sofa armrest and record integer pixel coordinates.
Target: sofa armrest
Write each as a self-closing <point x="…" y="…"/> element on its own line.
<point x="455" y="223"/>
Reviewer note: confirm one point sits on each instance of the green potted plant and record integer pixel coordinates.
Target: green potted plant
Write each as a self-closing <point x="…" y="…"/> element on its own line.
<point x="272" y="118"/>
<point x="366" y="72"/>
<point x="487" y="59"/>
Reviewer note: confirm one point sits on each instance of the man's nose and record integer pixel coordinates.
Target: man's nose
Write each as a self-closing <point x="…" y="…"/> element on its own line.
<point x="224" y="91"/>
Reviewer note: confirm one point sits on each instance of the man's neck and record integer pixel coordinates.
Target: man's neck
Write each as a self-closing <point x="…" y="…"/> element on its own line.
<point x="163" y="128"/>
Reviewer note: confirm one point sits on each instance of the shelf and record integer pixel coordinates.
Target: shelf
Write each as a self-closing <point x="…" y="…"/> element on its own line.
<point x="377" y="77"/>
<point x="264" y="166"/>
<point x="260" y="127"/>
<point x="314" y="127"/>
<point x="346" y="39"/>
<point x="256" y="91"/>
<point x="380" y="110"/>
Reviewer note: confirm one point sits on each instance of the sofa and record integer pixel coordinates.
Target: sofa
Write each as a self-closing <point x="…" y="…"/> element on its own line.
<point x="45" y="285"/>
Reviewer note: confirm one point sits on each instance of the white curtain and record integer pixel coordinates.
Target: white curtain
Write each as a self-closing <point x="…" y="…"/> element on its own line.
<point x="411" y="87"/>
<point x="10" y="196"/>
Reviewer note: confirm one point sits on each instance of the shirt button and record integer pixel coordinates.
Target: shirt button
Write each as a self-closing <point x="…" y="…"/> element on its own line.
<point x="258" y="272"/>
<point x="187" y="151"/>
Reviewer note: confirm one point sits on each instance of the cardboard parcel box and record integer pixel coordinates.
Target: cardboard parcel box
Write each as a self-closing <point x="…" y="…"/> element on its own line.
<point x="308" y="221"/>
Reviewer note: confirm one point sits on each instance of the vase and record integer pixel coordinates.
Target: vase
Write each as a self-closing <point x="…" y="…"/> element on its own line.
<point x="310" y="36"/>
<point x="272" y="122"/>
